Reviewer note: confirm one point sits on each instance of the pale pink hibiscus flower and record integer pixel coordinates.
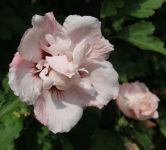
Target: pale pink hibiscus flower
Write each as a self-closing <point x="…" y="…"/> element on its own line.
<point x="137" y="102"/>
<point x="63" y="69"/>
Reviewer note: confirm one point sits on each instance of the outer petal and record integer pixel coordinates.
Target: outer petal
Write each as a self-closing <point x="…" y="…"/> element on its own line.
<point x="104" y="80"/>
<point x="100" y="49"/>
<point x="30" y="46"/>
<point x="22" y="80"/>
<point x="59" y="113"/>
<point x="124" y="103"/>
<point x="149" y="106"/>
<point x="88" y="28"/>
<point x="138" y="87"/>
<point x="87" y="94"/>
<point x="78" y="27"/>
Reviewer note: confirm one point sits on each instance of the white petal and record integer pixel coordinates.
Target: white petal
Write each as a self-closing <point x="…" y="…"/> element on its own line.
<point x="88" y="28"/>
<point x="156" y="115"/>
<point x="60" y="81"/>
<point x="59" y="43"/>
<point x="78" y="27"/>
<point x="87" y="94"/>
<point x="100" y="48"/>
<point x="79" y="53"/>
<point x="104" y="80"/>
<point x="62" y="65"/>
<point x="22" y="80"/>
<point x="59" y="113"/>
<point x="30" y="45"/>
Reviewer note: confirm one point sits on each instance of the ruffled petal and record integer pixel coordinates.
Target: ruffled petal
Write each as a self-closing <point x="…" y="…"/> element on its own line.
<point x="104" y="80"/>
<point x="62" y="65"/>
<point x="60" y="112"/>
<point x="88" y="28"/>
<point x="78" y="27"/>
<point x="100" y="49"/>
<point x="59" y="43"/>
<point x="87" y="94"/>
<point x="79" y="53"/>
<point x="60" y="81"/>
<point x="23" y="81"/>
<point x="30" y="45"/>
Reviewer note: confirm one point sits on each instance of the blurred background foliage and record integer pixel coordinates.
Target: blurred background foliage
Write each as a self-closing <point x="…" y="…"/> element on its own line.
<point x="137" y="28"/>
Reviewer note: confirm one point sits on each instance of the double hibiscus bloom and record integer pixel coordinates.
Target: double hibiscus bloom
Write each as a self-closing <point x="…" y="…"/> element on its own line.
<point x="62" y="69"/>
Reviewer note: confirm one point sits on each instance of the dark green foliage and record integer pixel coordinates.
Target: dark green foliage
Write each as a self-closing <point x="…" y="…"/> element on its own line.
<point x="12" y="114"/>
<point x="137" y="30"/>
<point x="106" y="140"/>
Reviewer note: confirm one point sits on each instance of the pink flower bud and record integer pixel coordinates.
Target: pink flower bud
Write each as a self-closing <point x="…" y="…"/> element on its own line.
<point x="137" y="102"/>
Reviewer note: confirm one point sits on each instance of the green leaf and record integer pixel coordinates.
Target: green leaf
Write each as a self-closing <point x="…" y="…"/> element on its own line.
<point x="1" y="98"/>
<point x="9" y="129"/>
<point x="66" y="144"/>
<point x="12" y="113"/>
<point x="163" y="130"/>
<point x="163" y="126"/>
<point x="136" y="8"/>
<point x="117" y="24"/>
<point x="141" y="35"/>
<point x="143" y="8"/>
<point x="106" y="140"/>
<point x="8" y="108"/>
<point x="11" y="122"/>
<point x="43" y="139"/>
<point x="143" y="139"/>
<point x="162" y="121"/>
<point x="122" y="122"/>
<point x="110" y="7"/>
<point x="5" y="85"/>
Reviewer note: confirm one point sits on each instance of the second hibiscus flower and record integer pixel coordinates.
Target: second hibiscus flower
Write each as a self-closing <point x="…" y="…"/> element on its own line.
<point x="62" y="69"/>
